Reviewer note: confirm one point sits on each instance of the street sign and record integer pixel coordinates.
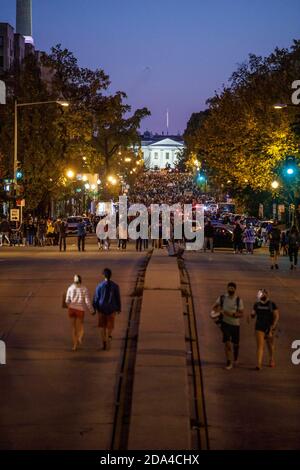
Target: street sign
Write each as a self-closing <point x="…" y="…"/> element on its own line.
<point x="20" y="202"/>
<point x="14" y="215"/>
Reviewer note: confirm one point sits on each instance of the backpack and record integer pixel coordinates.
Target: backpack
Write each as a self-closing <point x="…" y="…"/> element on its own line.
<point x="222" y="298"/>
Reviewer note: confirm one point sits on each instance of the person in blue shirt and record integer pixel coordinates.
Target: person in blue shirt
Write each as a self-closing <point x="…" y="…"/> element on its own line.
<point x="107" y="302"/>
<point x="81" y="233"/>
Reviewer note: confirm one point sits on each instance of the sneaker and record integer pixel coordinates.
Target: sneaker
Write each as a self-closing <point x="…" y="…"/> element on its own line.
<point x="257" y="368"/>
<point x="229" y="366"/>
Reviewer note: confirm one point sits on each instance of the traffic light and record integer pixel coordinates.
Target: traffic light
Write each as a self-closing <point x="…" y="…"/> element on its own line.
<point x="290" y="167"/>
<point x="19" y="173"/>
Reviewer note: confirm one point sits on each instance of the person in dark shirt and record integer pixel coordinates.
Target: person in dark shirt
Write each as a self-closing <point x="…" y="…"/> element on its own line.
<point x="274" y="244"/>
<point x="81" y="234"/>
<point x="267" y="315"/>
<point x="293" y="241"/>
<point x="107" y="302"/>
<point x="209" y="232"/>
<point x="237" y="238"/>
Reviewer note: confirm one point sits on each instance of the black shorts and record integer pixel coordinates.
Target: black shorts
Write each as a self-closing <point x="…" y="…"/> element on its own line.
<point x="230" y="333"/>
<point x="264" y="327"/>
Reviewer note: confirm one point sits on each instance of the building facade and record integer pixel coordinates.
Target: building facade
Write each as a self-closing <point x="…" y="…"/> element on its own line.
<point x="161" y="151"/>
<point x="24" y="20"/>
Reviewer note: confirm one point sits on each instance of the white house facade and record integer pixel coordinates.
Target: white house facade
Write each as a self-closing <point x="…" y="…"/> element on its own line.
<point x="161" y="152"/>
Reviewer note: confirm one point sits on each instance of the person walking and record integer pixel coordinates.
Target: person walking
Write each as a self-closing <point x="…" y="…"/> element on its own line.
<point x="107" y="302"/>
<point x="77" y="301"/>
<point x="5" y="232"/>
<point x="267" y="315"/>
<point x="81" y="234"/>
<point x="237" y="238"/>
<point x="231" y="308"/>
<point x="209" y="232"/>
<point x="249" y="239"/>
<point x="274" y="244"/>
<point x="293" y="241"/>
<point x="41" y="232"/>
<point x="63" y="227"/>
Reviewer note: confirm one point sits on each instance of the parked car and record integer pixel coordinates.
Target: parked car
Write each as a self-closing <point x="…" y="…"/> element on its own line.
<point x="88" y="224"/>
<point x="72" y="225"/>
<point x="223" y="237"/>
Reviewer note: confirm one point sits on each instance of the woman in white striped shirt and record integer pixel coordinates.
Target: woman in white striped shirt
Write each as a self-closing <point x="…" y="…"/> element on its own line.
<point x="77" y="300"/>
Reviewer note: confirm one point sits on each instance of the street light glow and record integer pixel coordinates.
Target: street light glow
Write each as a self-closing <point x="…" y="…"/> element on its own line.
<point x="275" y="184"/>
<point x="65" y="104"/>
<point x="290" y="171"/>
<point x="70" y="174"/>
<point x="84" y="178"/>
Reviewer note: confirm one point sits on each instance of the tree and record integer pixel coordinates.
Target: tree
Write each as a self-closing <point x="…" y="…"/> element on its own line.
<point x="243" y="138"/>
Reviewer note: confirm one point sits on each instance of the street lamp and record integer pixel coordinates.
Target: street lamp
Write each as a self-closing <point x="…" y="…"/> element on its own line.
<point x="70" y="174"/>
<point x="275" y="184"/>
<point x="284" y="105"/>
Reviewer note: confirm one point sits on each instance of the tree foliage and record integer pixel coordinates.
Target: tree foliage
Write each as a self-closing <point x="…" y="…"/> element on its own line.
<point x="242" y="138"/>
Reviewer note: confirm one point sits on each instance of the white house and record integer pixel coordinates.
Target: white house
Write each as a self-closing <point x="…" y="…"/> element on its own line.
<point x="161" y="152"/>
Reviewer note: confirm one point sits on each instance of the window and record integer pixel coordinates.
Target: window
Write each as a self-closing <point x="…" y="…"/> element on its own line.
<point x="167" y="156"/>
<point x="156" y="155"/>
<point x="1" y="41"/>
<point x="1" y="61"/>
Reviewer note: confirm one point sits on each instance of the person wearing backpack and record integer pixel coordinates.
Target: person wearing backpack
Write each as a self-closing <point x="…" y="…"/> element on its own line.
<point x="267" y="315"/>
<point x="231" y="308"/>
<point x="107" y="302"/>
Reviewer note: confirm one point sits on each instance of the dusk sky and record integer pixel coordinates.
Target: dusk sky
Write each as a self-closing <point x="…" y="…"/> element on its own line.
<point x="163" y="53"/>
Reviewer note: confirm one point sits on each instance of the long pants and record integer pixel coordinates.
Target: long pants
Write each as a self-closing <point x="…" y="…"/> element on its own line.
<point x="249" y="247"/>
<point x="209" y="240"/>
<point x="81" y="242"/>
<point x="30" y="239"/>
<point x="62" y="242"/>
<point x="237" y="246"/>
<point x="138" y="244"/>
<point x="293" y="254"/>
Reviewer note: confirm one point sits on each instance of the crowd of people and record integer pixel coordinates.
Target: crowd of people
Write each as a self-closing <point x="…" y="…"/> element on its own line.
<point x="165" y="187"/>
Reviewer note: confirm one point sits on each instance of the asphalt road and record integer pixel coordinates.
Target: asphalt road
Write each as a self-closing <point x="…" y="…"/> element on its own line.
<point x="247" y="409"/>
<point x="51" y="397"/>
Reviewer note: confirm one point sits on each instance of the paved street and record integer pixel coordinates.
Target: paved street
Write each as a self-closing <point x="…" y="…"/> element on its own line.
<point x="51" y="397"/>
<point x="248" y="409"/>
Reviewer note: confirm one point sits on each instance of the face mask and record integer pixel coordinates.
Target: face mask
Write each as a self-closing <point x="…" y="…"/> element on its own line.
<point x="263" y="298"/>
